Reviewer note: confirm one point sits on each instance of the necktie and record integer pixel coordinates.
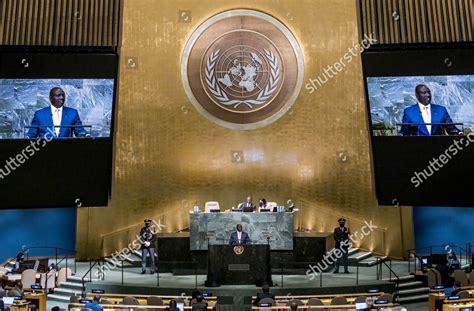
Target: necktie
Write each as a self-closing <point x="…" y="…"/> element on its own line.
<point x="58" y="118"/>
<point x="428" y="118"/>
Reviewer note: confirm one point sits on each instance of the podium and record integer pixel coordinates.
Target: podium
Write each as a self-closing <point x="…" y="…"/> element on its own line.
<point x="240" y="264"/>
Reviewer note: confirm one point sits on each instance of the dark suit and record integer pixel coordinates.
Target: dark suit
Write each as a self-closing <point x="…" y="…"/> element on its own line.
<point x="43" y="118"/>
<point x="147" y="235"/>
<point x="439" y="114"/>
<point x="444" y="272"/>
<point x="341" y="237"/>
<point x="199" y="306"/>
<point x="244" y="239"/>
<point x="263" y="295"/>
<point x="247" y="207"/>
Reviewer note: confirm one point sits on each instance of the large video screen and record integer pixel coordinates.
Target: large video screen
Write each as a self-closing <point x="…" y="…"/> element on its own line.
<point x="420" y="108"/>
<point x="27" y="110"/>
<point x="395" y="107"/>
<point x="56" y="126"/>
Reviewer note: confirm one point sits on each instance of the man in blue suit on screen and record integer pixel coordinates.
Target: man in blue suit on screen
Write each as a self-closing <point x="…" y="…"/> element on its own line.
<point x="56" y="120"/>
<point x="416" y="117"/>
<point x="239" y="237"/>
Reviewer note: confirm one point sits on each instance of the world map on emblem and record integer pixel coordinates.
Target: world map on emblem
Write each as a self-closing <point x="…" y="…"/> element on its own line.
<point x="242" y="70"/>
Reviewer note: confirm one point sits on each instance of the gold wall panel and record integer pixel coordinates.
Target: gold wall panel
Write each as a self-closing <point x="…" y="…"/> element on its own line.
<point x="417" y="21"/>
<point x="167" y="156"/>
<point x="60" y="22"/>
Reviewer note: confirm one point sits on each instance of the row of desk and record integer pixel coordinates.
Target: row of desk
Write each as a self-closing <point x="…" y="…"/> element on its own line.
<point x="38" y="299"/>
<point x="438" y="301"/>
<point x="116" y="299"/>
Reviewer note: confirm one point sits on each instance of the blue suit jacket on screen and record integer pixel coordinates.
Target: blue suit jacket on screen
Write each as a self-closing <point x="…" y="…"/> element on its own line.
<point x="44" y="119"/>
<point x="439" y="114"/>
<point x="235" y="241"/>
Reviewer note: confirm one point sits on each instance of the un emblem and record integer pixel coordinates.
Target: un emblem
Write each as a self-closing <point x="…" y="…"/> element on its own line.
<point x="239" y="250"/>
<point x="242" y="69"/>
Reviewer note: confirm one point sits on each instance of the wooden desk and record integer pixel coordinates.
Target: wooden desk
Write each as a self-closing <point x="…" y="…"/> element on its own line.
<point x="38" y="299"/>
<point x="348" y="307"/>
<point x="326" y="299"/>
<point x="106" y="307"/>
<point x="16" y="277"/>
<point x="437" y="298"/>
<point x="19" y="306"/>
<point x="116" y="299"/>
<point x="458" y="304"/>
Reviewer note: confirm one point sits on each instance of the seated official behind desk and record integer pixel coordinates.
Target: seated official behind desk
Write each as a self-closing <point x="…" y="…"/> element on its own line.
<point x="247" y="206"/>
<point x="239" y="237"/>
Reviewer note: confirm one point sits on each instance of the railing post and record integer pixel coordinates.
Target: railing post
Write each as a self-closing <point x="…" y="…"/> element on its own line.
<point x="56" y="253"/>
<point x="158" y="272"/>
<point x="196" y="274"/>
<point x="357" y="275"/>
<point x="90" y="270"/>
<point x="122" y="271"/>
<point x="281" y="263"/>
<point x="321" y="279"/>
<point x="390" y="277"/>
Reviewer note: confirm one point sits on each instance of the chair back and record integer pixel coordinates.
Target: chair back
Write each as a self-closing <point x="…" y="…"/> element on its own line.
<point x="461" y="277"/>
<point x="439" y="279"/>
<point x="315" y="302"/>
<point x="3" y="270"/>
<point x="63" y="274"/>
<point x="211" y="205"/>
<point x="48" y="280"/>
<point x="74" y="299"/>
<point x="2" y="292"/>
<point x="399" y="308"/>
<point x="298" y="302"/>
<point x="432" y="281"/>
<point x="154" y="301"/>
<point x="85" y="309"/>
<point x="338" y="300"/>
<point x="360" y="299"/>
<point x="271" y="204"/>
<point x="471" y="278"/>
<point x="129" y="300"/>
<point x="28" y="278"/>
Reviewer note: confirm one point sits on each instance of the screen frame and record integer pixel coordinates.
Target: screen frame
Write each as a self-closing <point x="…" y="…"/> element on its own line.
<point x="412" y="60"/>
<point x="67" y="63"/>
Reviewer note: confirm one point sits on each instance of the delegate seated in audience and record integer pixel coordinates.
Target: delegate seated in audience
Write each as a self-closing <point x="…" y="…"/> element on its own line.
<point x="94" y="305"/>
<point x="456" y="288"/>
<point x="200" y="304"/>
<point x="172" y="306"/>
<point x="264" y="294"/>
<point x="293" y="306"/>
<point x="19" y="287"/>
<point x="444" y="272"/>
